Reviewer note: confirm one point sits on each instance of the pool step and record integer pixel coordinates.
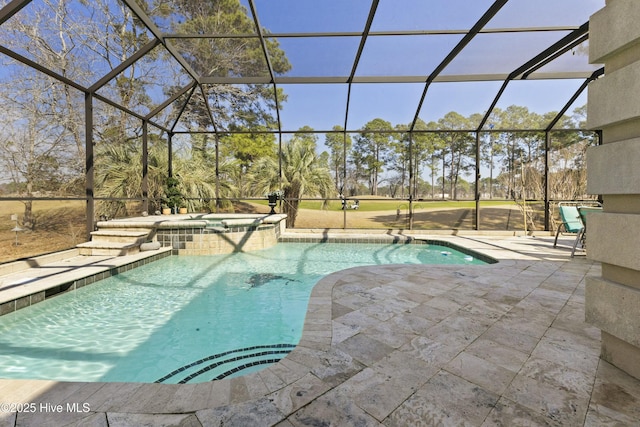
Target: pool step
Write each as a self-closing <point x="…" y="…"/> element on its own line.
<point x="104" y="248"/>
<point x="113" y="243"/>
<point x="123" y="236"/>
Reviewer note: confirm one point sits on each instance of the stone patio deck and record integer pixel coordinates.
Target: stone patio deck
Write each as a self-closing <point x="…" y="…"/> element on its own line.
<point x="396" y="345"/>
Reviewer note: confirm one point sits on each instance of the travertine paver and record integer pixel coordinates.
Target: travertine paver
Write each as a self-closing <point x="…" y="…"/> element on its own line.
<point x="502" y="344"/>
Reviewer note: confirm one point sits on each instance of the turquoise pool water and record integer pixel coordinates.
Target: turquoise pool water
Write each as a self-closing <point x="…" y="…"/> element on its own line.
<point x="186" y="319"/>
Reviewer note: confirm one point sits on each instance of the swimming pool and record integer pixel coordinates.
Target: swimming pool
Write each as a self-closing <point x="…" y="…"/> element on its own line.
<point x="187" y="319"/>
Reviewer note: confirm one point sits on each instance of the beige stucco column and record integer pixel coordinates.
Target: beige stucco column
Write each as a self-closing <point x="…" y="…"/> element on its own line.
<point x="613" y="170"/>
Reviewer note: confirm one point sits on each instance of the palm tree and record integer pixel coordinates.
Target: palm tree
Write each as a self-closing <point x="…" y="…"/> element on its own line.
<point x="303" y="174"/>
<point x="119" y="175"/>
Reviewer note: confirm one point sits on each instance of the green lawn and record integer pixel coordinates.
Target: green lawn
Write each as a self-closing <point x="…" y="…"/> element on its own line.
<point x="375" y="205"/>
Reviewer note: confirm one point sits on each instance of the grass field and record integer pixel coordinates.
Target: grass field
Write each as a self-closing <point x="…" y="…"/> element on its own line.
<point x="370" y="204"/>
<point x="428" y="215"/>
<point x="61" y="224"/>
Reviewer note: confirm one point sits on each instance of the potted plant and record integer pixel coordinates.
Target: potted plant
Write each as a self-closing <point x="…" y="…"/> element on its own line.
<point x="172" y="196"/>
<point x="273" y="199"/>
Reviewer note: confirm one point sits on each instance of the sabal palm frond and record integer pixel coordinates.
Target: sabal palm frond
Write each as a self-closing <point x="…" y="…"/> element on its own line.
<point x="302" y="175"/>
<point x="118" y="175"/>
<point x="197" y="183"/>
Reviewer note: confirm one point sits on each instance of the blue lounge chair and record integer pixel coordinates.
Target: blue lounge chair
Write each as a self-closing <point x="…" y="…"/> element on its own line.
<point x="571" y="223"/>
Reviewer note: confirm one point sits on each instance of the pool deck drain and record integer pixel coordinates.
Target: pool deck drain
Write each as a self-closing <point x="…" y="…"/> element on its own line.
<point x="393" y="345"/>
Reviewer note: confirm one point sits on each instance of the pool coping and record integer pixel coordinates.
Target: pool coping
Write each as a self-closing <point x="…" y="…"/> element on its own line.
<point x="43" y="279"/>
<point x="390" y="238"/>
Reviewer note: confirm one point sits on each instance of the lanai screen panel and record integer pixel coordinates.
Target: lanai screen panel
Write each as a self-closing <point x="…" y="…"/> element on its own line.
<point x="469" y="99"/>
<point x="545" y="13"/>
<point x="308" y="16"/>
<point x="242" y="107"/>
<point x="574" y="61"/>
<point x="434" y="15"/>
<point x="405" y="55"/>
<point x="79" y="40"/>
<point x="320" y="106"/>
<point x="542" y="100"/>
<point x="316" y="57"/>
<point x="152" y="79"/>
<point x="370" y="101"/>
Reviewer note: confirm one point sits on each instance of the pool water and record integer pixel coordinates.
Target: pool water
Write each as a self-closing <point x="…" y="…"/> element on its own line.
<point x="187" y="319"/>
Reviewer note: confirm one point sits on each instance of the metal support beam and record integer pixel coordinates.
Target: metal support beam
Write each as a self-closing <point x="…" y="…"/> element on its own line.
<point x="11" y="9"/>
<point x="209" y="112"/>
<point x="356" y="61"/>
<point x="69" y="82"/>
<point x="547" y="147"/>
<point x="477" y="187"/>
<point x="280" y="160"/>
<point x="169" y="101"/>
<point x="327" y="34"/>
<point x="124" y="65"/>
<point x="217" y="172"/>
<point x="44" y="70"/>
<point x="344" y="180"/>
<point x="575" y="96"/>
<point x="556" y="55"/>
<point x="411" y="180"/>
<point x="184" y="107"/>
<point x="533" y="63"/>
<point x="490" y="13"/>
<point x="89" y="165"/>
<point x="550" y="51"/>
<point x="151" y="26"/>
<point x="170" y="154"/>
<point x="145" y="166"/>
<point x="265" y="51"/>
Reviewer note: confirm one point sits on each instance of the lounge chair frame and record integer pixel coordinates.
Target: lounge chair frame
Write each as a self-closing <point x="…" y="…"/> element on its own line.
<point x="573" y="221"/>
